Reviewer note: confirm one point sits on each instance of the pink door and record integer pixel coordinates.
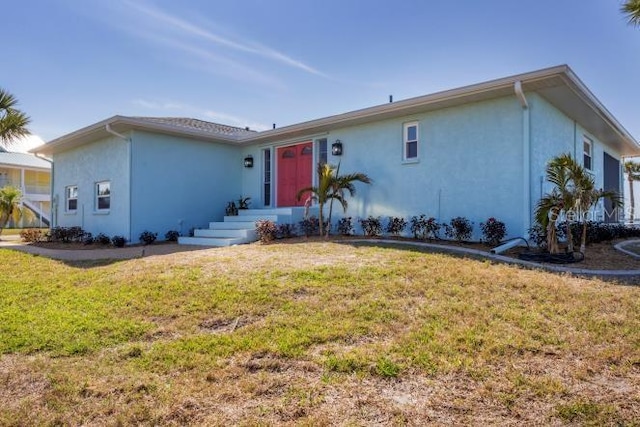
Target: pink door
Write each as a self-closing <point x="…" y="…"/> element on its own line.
<point x="294" y="166"/>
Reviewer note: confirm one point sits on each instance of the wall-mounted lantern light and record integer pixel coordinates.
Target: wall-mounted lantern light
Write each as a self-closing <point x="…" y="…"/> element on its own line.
<point x="248" y="161"/>
<point x="336" y="148"/>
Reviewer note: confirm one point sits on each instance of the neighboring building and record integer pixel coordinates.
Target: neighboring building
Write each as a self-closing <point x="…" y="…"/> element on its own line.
<point x="479" y="151"/>
<point x="32" y="176"/>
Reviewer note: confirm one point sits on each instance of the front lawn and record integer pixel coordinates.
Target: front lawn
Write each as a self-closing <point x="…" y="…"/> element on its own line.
<point x="312" y="333"/>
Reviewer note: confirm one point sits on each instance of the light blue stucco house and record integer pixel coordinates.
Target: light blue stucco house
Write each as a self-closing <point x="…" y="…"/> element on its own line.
<point x="478" y="151"/>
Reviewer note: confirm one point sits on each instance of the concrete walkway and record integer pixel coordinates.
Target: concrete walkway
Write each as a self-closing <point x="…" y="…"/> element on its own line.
<point x="130" y="252"/>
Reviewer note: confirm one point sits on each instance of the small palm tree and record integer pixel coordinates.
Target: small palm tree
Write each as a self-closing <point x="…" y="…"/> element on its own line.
<point x="332" y="186"/>
<point x="632" y="169"/>
<point x="13" y="122"/>
<point x="558" y="172"/>
<point x="10" y="208"/>
<point x="632" y="9"/>
<point x="574" y="192"/>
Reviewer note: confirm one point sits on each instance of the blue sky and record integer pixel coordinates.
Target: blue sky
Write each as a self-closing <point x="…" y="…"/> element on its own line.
<point x="252" y="63"/>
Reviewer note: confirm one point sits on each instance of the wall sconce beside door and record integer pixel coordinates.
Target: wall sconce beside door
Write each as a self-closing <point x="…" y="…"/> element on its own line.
<point x="336" y="148"/>
<point x="248" y="161"/>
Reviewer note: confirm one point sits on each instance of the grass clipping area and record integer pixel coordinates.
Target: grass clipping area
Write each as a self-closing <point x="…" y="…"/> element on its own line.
<point x="312" y="333"/>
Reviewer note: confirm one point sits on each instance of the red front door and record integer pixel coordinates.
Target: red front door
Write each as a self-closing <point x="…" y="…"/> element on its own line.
<point x="295" y="166"/>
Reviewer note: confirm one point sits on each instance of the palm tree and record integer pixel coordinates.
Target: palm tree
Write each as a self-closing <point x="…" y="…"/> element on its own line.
<point x="10" y="208"/>
<point x="575" y="194"/>
<point x="332" y="186"/>
<point x="13" y="122"/>
<point x="558" y="172"/>
<point x="632" y="169"/>
<point x="632" y="9"/>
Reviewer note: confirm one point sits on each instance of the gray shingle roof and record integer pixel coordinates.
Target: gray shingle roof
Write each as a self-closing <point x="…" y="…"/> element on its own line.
<point x="23" y="160"/>
<point x="197" y="125"/>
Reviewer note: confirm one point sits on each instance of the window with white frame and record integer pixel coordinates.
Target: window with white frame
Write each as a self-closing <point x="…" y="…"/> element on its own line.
<point x="103" y="195"/>
<point x="266" y="178"/>
<point x="71" y="198"/>
<point x="410" y="150"/>
<point x="588" y="153"/>
<point x="322" y="150"/>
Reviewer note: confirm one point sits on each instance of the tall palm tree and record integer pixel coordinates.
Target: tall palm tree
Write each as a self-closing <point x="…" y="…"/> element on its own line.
<point x="332" y="186"/>
<point x="10" y="208"/>
<point x="632" y="9"/>
<point x="632" y="169"/>
<point x="13" y="122"/>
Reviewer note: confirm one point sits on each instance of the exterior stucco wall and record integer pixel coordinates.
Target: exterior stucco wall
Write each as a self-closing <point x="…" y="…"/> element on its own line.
<point x="552" y="134"/>
<point x="180" y="183"/>
<point x="470" y="164"/>
<point x="103" y="160"/>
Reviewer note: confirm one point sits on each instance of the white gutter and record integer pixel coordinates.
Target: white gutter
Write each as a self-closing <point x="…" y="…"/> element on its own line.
<point x="526" y="155"/>
<point x="107" y="127"/>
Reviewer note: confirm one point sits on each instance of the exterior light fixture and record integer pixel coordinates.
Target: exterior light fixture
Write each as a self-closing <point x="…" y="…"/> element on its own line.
<point x="336" y="148"/>
<point x="248" y="161"/>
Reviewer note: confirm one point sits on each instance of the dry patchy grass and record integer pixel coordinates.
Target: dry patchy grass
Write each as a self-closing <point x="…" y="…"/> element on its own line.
<point x="315" y="333"/>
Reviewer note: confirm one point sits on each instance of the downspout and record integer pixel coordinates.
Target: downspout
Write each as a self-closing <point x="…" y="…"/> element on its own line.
<point x="107" y="127"/>
<point x="526" y="155"/>
<point x="54" y="201"/>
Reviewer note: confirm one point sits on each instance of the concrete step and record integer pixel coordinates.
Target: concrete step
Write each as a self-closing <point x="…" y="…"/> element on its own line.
<point x="226" y="232"/>
<point x="213" y="241"/>
<point x="252" y="218"/>
<point x="270" y="211"/>
<point x="238" y="225"/>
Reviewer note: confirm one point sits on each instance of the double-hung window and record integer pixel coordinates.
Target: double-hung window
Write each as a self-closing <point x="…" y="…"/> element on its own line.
<point x="71" y="198"/>
<point x="410" y="145"/>
<point x="103" y="196"/>
<point x="588" y="153"/>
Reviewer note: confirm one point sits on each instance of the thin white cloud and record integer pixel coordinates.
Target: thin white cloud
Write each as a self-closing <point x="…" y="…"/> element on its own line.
<point x="189" y="28"/>
<point x="218" y="64"/>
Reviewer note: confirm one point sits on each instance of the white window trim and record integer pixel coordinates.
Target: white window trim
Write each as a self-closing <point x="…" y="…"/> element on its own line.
<point x="588" y="141"/>
<point x="67" y="198"/>
<point x="97" y="197"/>
<point x="405" y="140"/>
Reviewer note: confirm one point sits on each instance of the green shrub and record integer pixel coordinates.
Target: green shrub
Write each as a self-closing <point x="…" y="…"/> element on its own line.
<point x="171" y="236"/>
<point x="147" y="237"/>
<point x="395" y="225"/>
<point x="493" y="231"/>
<point x="310" y="226"/>
<point x="371" y="226"/>
<point x="118" y="241"/>
<point x="285" y="231"/>
<point x="459" y="228"/>
<point x="102" y="239"/>
<point x="345" y="226"/>
<point x="66" y="234"/>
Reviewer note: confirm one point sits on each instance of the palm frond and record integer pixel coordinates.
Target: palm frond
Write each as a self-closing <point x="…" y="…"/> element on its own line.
<point x="631" y="8"/>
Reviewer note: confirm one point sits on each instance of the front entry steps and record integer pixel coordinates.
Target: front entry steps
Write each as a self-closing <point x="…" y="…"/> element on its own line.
<point x="240" y="229"/>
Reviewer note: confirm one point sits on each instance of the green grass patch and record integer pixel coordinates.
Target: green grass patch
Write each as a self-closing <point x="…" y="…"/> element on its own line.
<point x="323" y="316"/>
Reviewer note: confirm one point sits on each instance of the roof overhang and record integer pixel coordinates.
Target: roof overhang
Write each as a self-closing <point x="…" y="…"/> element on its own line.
<point x="123" y="124"/>
<point x="558" y="85"/>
